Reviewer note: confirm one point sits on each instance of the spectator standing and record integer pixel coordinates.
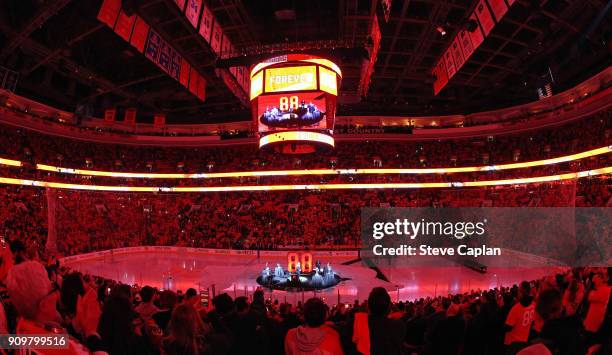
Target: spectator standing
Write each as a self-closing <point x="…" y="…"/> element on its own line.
<point x="314" y="337"/>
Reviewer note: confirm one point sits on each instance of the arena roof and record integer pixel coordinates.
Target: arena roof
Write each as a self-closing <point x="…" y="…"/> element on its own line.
<point x="67" y="58"/>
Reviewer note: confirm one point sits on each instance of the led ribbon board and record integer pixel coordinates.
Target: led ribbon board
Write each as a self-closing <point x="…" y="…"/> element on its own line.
<point x="321" y="172"/>
<point x="296" y="137"/>
<point x="254" y="188"/>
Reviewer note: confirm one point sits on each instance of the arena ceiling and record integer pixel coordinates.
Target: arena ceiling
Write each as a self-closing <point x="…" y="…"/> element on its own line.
<point x="67" y="58"/>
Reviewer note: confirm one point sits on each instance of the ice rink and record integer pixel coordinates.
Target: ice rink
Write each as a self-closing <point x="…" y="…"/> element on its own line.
<point x="236" y="275"/>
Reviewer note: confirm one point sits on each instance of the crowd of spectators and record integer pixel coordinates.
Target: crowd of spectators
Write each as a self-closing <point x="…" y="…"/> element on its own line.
<point x="90" y="221"/>
<point x="587" y="133"/>
<point x="23" y="215"/>
<point x="258" y="220"/>
<point x="75" y="121"/>
<point x="580" y="136"/>
<point x="565" y="313"/>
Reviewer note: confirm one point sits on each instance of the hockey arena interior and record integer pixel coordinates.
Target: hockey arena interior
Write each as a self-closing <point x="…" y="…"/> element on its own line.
<point x="261" y="177"/>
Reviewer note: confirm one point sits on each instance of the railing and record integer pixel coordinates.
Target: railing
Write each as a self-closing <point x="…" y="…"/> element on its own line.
<point x="202" y="251"/>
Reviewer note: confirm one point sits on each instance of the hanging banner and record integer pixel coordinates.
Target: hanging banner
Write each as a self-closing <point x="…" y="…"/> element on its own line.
<point x="467" y="40"/>
<point x="175" y="65"/>
<point x="367" y="69"/>
<point x="109" y="114"/>
<point x="201" y="90"/>
<point x="184" y="74"/>
<point x="124" y="25"/>
<point x="139" y="35"/>
<point x="192" y="11"/>
<point x="180" y="4"/>
<point x="450" y="63"/>
<point x="194" y="81"/>
<point x="443" y="73"/>
<point x="499" y="8"/>
<point x="165" y="56"/>
<point x="239" y="76"/>
<point x="436" y="85"/>
<point x="130" y="116"/>
<point x="217" y="35"/>
<point x="246" y="84"/>
<point x="233" y="70"/>
<point x="386" y="8"/>
<point x="484" y="17"/>
<point x="206" y="24"/>
<point x="457" y="54"/>
<point x="476" y="36"/>
<point x="109" y="11"/>
<point x="152" y="47"/>
<point x="226" y="44"/>
<point x="466" y="44"/>
<point x="159" y="119"/>
<point x="441" y="76"/>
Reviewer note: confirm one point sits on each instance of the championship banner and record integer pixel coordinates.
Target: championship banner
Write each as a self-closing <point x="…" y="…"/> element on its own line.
<point x="134" y="30"/>
<point x="168" y="59"/>
<point x="180" y="4"/>
<point x="159" y="120"/>
<point x="226" y="44"/>
<point x="109" y="11"/>
<point x="457" y="54"/>
<point x="231" y="83"/>
<point x="368" y="69"/>
<point x="467" y="40"/>
<point x="246" y="81"/>
<point x="386" y="8"/>
<point x="476" y="36"/>
<point x="192" y="11"/>
<point x="440" y="75"/>
<point x="109" y="114"/>
<point x="233" y="70"/>
<point x="240" y="77"/>
<point x="194" y="78"/>
<point x="466" y="44"/>
<point x="139" y="35"/>
<point x="436" y="84"/>
<point x="130" y="116"/>
<point x="206" y="24"/>
<point x="175" y="65"/>
<point x="184" y="74"/>
<point x="124" y="25"/>
<point x="217" y="35"/>
<point x="450" y="63"/>
<point x="201" y="89"/>
<point x="165" y="55"/>
<point x="152" y="47"/>
<point x="484" y="17"/>
<point x="499" y="8"/>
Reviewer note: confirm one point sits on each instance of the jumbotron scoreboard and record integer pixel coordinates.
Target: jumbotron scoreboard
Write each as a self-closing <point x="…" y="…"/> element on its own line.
<point x="293" y="99"/>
